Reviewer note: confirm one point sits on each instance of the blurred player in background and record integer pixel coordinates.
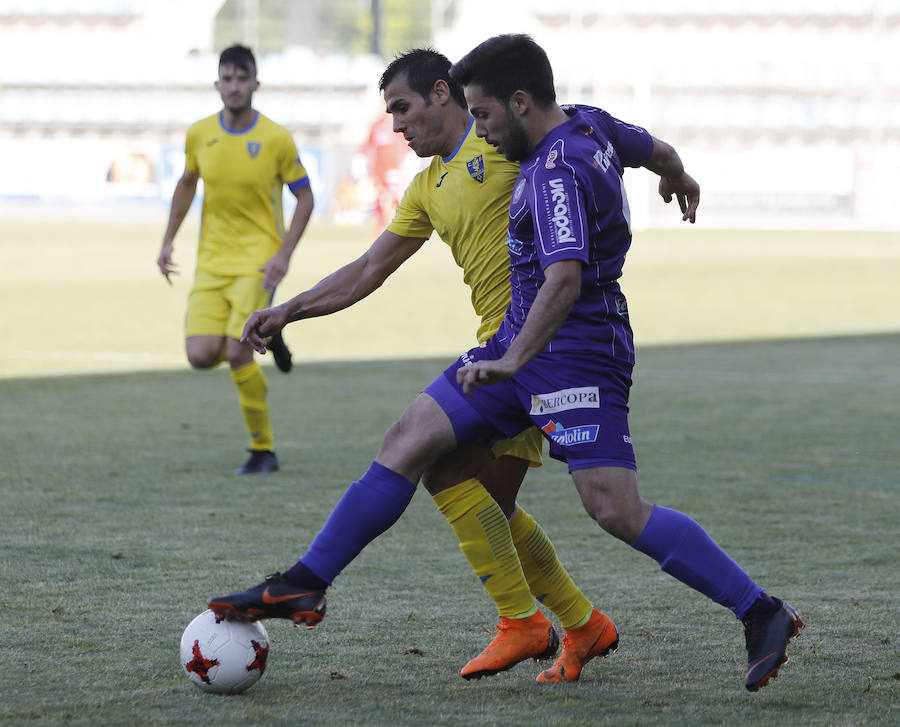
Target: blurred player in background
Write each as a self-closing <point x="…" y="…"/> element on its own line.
<point x="244" y="160"/>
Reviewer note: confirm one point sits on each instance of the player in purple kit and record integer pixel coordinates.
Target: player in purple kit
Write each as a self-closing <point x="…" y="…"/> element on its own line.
<point x="563" y="356"/>
<point x="561" y="359"/>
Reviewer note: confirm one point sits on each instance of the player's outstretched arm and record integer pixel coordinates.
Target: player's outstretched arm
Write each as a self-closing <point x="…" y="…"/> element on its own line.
<point x="185" y="189"/>
<point x="340" y="290"/>
<point x="353" y="282"/>
<point x="674" y="181"/>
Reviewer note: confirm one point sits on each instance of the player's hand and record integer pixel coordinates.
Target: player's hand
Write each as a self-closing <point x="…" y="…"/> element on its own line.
<point x="483" y="373"/>
<point x="261" y="325"/>
<point x="165" y="264"/>
<point x="274" y="271"/>
<point x="685" y="190"/>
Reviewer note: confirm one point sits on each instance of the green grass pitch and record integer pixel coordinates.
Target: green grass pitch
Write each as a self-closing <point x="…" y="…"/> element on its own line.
<point x="765" y="405"/>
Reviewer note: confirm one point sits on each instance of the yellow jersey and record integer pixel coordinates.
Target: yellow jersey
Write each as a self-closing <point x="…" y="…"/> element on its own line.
<point x="465" y="199"/>
<point x="243" y="173"/>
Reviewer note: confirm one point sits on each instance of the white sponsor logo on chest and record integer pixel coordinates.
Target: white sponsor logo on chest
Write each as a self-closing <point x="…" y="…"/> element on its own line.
<point x="561" y="211"/>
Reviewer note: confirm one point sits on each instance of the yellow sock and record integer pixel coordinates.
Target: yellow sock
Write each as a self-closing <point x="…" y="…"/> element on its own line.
<point x="485" y="540"/>
<point x="549" y="581"/>
<point x="252" y="395"/>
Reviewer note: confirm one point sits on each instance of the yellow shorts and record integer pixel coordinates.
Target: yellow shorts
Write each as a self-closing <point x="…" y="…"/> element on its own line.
<point x="219" y="305"/>
<point x="527" y="445"/>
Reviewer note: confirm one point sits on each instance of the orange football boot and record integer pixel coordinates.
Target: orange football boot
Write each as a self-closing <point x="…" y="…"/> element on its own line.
<point x="517" y="639"/>
<point x="597" y="637"/>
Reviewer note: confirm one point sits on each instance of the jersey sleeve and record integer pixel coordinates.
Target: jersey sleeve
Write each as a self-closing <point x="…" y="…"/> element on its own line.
<point x="190" y="150"/>
<point x="411" y="219"/>
<point x="633" y="144"/>
<point x="558" y="210"/>
<point x="290" y="168"/>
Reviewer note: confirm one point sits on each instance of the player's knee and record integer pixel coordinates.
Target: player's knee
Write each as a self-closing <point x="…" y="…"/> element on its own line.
<point x="403" y="437"/>
<point x="203" y="352"/>
<point x="201" y="359"/>
<point x="621" y="518"/>
<point x="604" y="513"/>
<point x="409" y="447"/>
<point x="472" y="460"/>
<point x="395" y="436"/>
<point x="437" y="479"/>
<point x="615" y="505"/>
<point x="236" y="362"/>
<point x="401" y="451"/>
<point x="502" y="478"/>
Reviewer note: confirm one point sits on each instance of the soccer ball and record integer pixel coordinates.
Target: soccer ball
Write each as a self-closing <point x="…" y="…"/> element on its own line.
<point x="225" y="657"/>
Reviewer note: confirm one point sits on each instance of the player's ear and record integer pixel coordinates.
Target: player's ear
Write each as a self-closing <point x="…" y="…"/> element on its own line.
<point x="520" y="102"/>
<point x="440" y="91"/>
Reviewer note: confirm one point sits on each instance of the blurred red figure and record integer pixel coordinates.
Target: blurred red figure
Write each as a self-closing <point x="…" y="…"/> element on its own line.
<point x="385" y="154"/>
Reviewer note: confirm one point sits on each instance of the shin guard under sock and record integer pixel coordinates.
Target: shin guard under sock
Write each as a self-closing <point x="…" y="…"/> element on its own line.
<point x="685" y="551"/>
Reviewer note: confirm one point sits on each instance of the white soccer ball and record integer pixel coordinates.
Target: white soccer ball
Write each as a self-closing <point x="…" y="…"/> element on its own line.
<point x="225" y="657"/>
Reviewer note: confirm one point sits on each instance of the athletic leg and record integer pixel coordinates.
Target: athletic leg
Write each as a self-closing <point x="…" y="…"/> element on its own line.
<point x="206" y="321"/>
<point x="685" y="551"/>
<point x="369" y="506"/>
<point x="252" y="389"/>
<point x="517" y="569"/>
<point x="681" y="547"/>
<point x="481" y="527"/>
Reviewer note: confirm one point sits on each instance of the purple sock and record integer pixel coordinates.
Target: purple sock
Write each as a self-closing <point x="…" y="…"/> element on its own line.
<point x="370" y="506"/>
<point x="685" y="551"/>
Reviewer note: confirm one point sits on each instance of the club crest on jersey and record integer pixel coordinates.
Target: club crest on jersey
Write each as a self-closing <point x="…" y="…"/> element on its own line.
<point x="476" y="168"/>
<point x="551" y="159"/>
<point x="518" y="191"/>
<point x="253" y="148"/>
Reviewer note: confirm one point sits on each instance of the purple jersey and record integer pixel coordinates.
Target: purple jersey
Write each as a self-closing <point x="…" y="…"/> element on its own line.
<point x="569" y="203"/>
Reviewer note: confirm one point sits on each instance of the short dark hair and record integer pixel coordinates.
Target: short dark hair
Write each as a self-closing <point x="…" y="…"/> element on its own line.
<point x="423" y="67"/>
<point x="505" y="64"/>
<point x="239" y="56"/>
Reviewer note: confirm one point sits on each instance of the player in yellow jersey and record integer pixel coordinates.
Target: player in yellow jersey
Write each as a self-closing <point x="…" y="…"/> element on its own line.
<point x="244" y="160"/>
<point x="464" y="196"/>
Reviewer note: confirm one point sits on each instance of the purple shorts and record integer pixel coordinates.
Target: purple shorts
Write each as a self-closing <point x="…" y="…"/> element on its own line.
<point x="578" y="400"/>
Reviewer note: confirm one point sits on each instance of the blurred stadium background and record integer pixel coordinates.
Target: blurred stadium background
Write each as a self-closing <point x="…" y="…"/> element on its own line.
<point x="788" y="111"/>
